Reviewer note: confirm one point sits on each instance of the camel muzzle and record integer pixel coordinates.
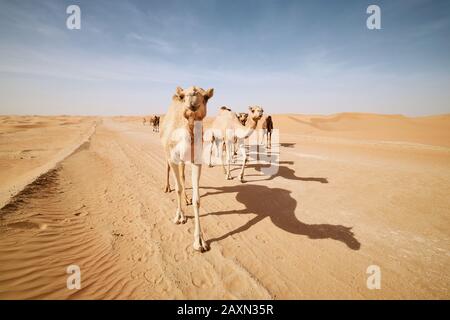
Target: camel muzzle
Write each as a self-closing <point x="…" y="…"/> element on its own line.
<point x="193" y="107"/>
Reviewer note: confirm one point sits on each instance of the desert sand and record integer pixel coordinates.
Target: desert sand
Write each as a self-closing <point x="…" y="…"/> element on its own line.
<point x="352" y="190"/>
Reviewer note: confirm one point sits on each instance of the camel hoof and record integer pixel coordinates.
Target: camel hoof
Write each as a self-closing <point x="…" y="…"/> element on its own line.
<point x="180" y="219"/>
<point x="167" y="190"/>
<point x="201" y="246"/>
<point x="188" y="201"/>
<point x="228" y="178"/>
<point x="210" y="165"/>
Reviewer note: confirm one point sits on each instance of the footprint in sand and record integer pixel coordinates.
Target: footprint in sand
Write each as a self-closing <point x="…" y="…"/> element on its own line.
<point x="203" y="279"/>
<point x="27" y="225"/>
<point x="164" y="237"/>
<point x="177" y="257"/>
<point x="153" y="278"/>
<point x="260" y="238"/>
<point x="198" y="281"/>
<point x="81" y="214"/>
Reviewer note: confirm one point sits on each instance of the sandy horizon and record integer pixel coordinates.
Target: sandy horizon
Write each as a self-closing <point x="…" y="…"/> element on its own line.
<point x="352" y="190"/>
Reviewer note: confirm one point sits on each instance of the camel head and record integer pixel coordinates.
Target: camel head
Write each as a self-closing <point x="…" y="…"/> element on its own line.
<point x="193" y="100"/>
<point x="255" y="113"/>
<point x="242" y="116"/>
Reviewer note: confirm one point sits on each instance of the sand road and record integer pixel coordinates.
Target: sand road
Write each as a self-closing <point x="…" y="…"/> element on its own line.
<point x="336" y="206"/>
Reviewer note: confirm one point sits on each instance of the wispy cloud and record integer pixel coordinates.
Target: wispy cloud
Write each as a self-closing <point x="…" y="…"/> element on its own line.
<point x="153" y="42"/>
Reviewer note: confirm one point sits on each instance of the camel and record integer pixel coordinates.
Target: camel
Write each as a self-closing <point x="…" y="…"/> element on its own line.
<point x="184" y="117"/>
<point x="154" y="120"/>
<point x="226" y="128"/>
<point x="267" y="127"/>
<point x="242" y="116"/>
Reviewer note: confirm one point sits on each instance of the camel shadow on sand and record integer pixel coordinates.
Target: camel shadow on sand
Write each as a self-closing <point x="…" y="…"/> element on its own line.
<point x="280" y="171"/>
<point x="287" y="145"/>
<point x="279" y="206"/>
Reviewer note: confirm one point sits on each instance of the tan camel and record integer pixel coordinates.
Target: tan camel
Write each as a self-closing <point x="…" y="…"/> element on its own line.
<point x="242" y="116"/>
<point x="226" y="128"/>
<point x="154" y="121"/>
<point x="183" y="118"/>
<point x="267" y="128"/>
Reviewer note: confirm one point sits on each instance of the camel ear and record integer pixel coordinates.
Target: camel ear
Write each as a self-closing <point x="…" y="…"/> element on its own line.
<point x="179" y="93"/>
<point x="209" y="93"/>
<point x="250" y="109"/>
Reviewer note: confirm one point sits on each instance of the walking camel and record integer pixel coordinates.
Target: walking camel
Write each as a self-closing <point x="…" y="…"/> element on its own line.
<point x="177" y="136"/>
<point x="154" y="121"/>
<point x="267" y="127"/>
<point x="226" y="128"/>
<point x="242" y="116"/>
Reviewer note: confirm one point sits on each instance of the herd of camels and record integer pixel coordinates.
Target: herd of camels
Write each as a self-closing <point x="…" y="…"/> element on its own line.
<point x="178" y="133"/>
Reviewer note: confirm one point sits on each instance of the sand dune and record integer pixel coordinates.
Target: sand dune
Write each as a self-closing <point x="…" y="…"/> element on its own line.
<point x="31" y="146"/>
<point x="352" y="190"/>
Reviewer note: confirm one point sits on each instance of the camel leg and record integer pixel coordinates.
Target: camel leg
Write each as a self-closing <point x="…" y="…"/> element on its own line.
<point x="234" y="151"/>
<point x="210" y="153"/>
<point x="266" y="135"/>
<point x="167" y="187"/>
<point x="199" y="243"/>
<point x="179" y="215"/>
<point x="223" y="158"/>
<point x="217" y="142"/>
<point x="269" y="139"/>
<point x="181" y="168"/>
<point x="228" y="156"/>
<point x="244" y="161"/>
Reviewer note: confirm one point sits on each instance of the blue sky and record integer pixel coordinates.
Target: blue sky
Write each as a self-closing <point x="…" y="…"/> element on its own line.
<point x="314" y="57"/>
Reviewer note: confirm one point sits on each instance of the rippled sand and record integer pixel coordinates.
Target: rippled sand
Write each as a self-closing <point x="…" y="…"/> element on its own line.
<point x="352" y="190"/>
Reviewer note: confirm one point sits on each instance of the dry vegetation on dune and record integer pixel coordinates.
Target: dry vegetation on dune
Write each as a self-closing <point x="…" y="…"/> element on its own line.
<point x="351" y="190"/>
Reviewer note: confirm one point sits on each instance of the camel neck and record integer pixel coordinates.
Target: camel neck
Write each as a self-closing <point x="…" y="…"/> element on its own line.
<point x="251" y="124"/>
<point x="248" y="129"/>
